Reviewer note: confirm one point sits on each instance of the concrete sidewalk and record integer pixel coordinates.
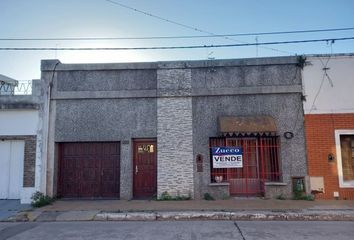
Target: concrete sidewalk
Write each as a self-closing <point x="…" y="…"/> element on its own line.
<point x="231" y="209"/>
<point x="9" y="208"/>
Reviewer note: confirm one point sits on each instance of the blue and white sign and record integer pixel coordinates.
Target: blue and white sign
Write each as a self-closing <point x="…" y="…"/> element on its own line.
<point x="227" y="157"/>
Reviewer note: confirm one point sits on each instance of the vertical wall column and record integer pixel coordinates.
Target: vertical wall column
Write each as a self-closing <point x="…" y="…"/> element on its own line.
<point x="174" y="133"/>
<point x="47" y="116"/>
<point x="50" y="167"/>
<point x="126" y="171"/>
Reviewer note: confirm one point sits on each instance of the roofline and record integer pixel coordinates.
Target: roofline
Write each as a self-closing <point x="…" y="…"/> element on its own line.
<point x="330" y="54"/>
<point x="51" y="64"/>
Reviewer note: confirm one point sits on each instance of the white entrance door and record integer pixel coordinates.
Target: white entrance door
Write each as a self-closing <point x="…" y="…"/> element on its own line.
<point x="11" y="169"/>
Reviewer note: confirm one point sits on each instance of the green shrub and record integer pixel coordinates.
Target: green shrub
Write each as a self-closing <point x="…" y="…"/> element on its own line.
<point x="299" y="195"/>
<point x="182" y="198"/>
<point x="40" y="200"/>
<point x="225" y="196"/>
<point x="280" y="197"/>
<point x="309" y="197"/>
<point x="208" y="197"/>
<point x="165" y="196"/>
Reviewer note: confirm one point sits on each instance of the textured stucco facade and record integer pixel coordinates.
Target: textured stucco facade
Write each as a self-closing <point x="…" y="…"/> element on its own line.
<point x="177" y="103"/>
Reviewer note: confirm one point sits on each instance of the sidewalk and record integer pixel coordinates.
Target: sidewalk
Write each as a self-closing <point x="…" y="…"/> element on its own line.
<point x="231" y="209"/>
<point x="9" y="208"/>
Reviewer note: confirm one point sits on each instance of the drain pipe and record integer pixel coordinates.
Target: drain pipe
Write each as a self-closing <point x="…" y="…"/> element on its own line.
<point x="45" y="132"/>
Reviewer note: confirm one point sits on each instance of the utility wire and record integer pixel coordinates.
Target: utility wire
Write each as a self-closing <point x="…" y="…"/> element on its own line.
<point x="161" y="18"/>
<point x="313" y="106"/>
<point x="178" y="37"/>
<point x="184" y="25"/>
<point x="177" y="47"/>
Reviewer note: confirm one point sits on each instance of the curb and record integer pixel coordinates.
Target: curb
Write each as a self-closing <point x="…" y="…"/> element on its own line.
<point x="303" y="215"/>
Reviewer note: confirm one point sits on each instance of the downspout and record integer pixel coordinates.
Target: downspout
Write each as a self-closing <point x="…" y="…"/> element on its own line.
<point x="302" y="64"/>
<point x="46" y="122"/>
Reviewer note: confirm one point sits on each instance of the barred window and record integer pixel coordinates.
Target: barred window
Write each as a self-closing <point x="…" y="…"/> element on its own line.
<point x="261" y="163"/>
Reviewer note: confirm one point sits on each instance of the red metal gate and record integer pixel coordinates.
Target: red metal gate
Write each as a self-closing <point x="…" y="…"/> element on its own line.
<point x="260" y="164"/>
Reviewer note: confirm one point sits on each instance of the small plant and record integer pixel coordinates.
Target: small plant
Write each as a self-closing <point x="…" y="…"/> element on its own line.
<point x="301" y="62"/>
<point x="208" y="197"/>
<point x="182" y="198"/>
<point x="299" y="195"/>
<point x="280" y="197"/>
<point x="40" y="200"/>
<point x="225" y="196"/>
<point x="165" y="196"/>
<point x="308" y="197"/>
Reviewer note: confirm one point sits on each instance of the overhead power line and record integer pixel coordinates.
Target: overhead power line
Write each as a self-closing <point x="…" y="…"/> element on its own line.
<point x="178" y="37"/>
<point x="331" y="40"/>
<point x="184" y="25"/>
<point x="161" y="18"/>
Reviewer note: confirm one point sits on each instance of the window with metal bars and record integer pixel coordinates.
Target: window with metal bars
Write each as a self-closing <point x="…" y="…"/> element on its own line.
<point x="261" y="161"/>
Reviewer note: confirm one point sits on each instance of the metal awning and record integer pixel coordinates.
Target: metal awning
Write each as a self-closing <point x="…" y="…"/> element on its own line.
<point x="247" y="125"/>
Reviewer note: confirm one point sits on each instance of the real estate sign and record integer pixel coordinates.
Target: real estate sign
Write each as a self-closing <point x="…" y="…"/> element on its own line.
<point x="227" y="157"/>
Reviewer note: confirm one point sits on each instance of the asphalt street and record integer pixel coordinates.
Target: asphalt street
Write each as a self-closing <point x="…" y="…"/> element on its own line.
<point x="180" y="230"/>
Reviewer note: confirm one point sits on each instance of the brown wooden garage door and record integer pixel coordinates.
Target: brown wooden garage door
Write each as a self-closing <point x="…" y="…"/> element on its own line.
<point x="89" y="170"/>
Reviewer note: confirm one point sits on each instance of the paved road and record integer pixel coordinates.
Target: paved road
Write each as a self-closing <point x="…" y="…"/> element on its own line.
<point x="178" y="230"/>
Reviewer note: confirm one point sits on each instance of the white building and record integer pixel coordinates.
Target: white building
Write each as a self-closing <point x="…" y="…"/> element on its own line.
<point x="19" y="145"/>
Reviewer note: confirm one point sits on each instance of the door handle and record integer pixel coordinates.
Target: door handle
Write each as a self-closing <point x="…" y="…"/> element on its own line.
<point x="136" y="169"/>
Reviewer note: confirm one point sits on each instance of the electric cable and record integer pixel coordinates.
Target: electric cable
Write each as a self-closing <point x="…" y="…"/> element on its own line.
<point x="177" y="37"/>
<point x="170" y="47"/>
<point x="184" y="25"/>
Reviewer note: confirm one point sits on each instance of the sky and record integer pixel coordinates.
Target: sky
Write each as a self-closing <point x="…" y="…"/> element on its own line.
<point x="102" y="18"/>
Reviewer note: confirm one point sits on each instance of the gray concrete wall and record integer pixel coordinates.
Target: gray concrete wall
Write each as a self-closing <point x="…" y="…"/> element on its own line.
<point x="119" y="108"/>
<point x="282" y="107"/>
<point x="118" y="120"/>
<point x="177" y="102"/>
<point x="20" y="102"/>
<point x="110" y="80"/>
<point x="105" y="119"/>
<point x="242" y="83"/>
